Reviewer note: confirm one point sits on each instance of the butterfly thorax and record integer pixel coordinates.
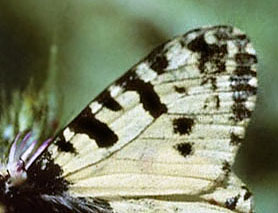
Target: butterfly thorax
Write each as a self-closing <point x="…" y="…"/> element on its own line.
<point x="25" y="179"/>
<point x="30" y="189"/>
<point x="29" y="183"/>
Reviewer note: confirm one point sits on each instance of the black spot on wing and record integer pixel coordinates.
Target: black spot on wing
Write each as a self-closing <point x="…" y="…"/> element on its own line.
<point x="183" y="126"/>
<point x="247" y="194"/>
<point x="246" y="59"/>
<point x="184" y="149"/>
<point x="244" y="71"/>
<point x="148" y="97"/>
<point x="212" y="53"/>
<point x="182" y="43"/>
<point x="241" y="37"/>
<point x="86" y="123"/>
<point x="64" y="146"/>
<point x="180" y="89"/>
<point x="235" y="139"/>
<point x="232" y="202"/>
<point x="158" y="60"/>
<point x="217" y="99"/>
<point x="106" y="100"/>
<point x="240" y="111"/>
<point x="226" y="167"/>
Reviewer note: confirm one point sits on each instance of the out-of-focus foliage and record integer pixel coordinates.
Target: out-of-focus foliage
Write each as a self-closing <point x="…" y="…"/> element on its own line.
<point x="98" y="40"/>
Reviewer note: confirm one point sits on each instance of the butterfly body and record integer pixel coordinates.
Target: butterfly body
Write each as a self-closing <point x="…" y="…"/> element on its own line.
<point x="162" y="138"/>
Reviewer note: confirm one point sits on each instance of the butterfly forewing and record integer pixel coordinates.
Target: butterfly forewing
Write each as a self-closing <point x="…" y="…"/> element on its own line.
<point x="170" y="126"/>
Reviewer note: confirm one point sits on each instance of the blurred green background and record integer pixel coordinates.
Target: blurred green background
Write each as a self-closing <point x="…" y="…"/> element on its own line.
<point x="99" y="40"/>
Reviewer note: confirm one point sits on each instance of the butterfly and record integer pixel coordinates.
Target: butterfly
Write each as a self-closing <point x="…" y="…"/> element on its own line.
<point x="161" y="138"/>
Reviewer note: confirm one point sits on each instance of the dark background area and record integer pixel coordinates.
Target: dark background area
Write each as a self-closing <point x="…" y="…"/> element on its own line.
<point x="98" y="41"/>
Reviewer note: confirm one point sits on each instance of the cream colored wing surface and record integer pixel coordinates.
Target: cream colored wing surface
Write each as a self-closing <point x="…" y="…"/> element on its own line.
<point x="232" y="196"/>
<point x="170" y="126"/>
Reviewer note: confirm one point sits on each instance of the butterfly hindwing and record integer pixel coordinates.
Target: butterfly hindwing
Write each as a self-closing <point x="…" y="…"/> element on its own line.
<point x="232" y="196"/>
<point x="170" y="126"/>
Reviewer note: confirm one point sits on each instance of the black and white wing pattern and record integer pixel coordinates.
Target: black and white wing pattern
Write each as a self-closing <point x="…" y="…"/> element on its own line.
<point x="163" y="137"/>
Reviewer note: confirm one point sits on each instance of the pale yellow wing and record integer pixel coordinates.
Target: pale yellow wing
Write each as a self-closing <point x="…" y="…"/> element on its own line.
<point x="170" y="126"/>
